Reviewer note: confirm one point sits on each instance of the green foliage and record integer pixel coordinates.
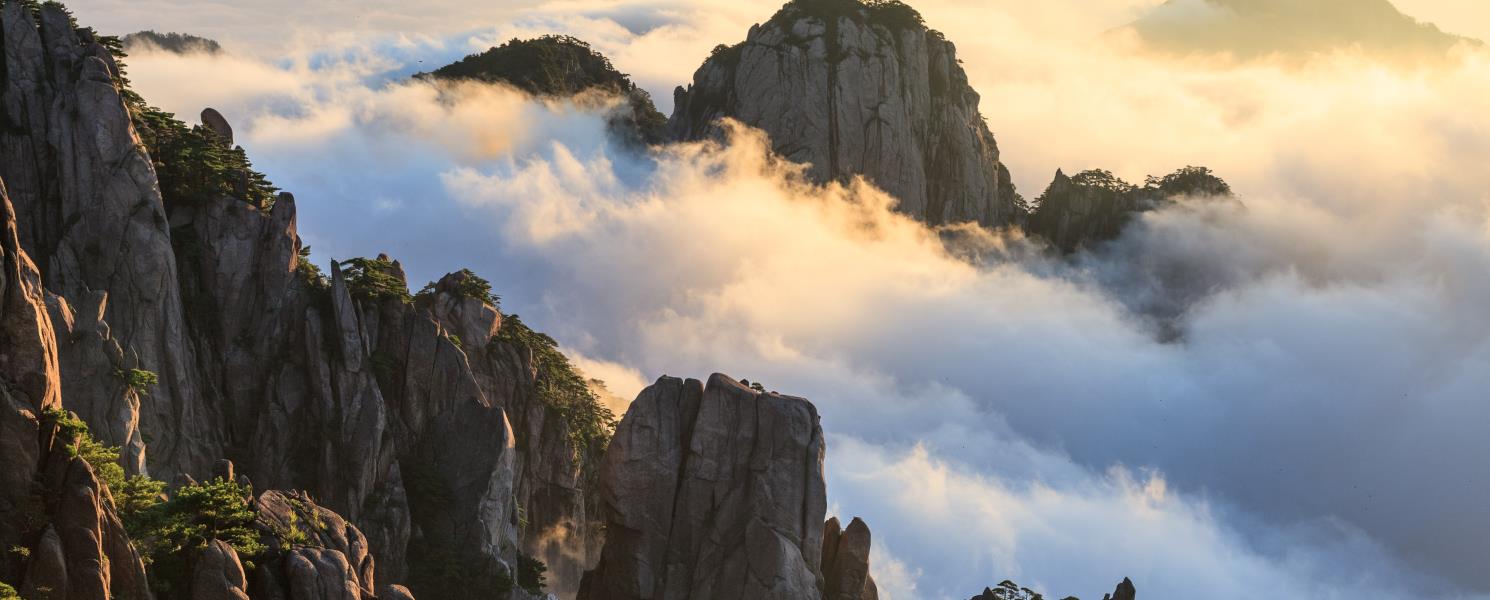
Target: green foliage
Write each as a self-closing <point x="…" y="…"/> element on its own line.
<point x="1102" y="180"/>
<point x="470" y="285"/>
<point x="103" y="459"/>
<point x="1008" y="590"/>
<point x="1189" y="181"/>
<point x="192" y="163"/>
<point x="547" y="65"/>
<point x="138" y="380"/>
<point x="562" y="388"/>
<point x="135" y="498"/>
<point x="454" y="339"/>
<point x="453" y="574"/>
<point x="531" y="574"/>
<point x="174" y="42"/>
<point x="892" y="14"/>
<point x="172" y="533"/>
<point x="7" y="592"/>
<point x="309" y="273"/>
<point x="374" y="280"/>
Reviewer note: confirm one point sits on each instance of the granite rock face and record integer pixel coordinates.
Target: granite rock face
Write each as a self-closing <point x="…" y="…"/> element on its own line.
<point x="852" y="90"/>
<point x="52" y="506"/>
<point x="717" y="492"/>
<point x="90" y="214"/>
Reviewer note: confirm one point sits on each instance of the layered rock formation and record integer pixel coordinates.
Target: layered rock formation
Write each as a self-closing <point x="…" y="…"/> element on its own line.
<point x="716" y="492"/>
<point x="855" y="89"/>
<point x="1095" y="206"/>
<point x="564" y="67"/>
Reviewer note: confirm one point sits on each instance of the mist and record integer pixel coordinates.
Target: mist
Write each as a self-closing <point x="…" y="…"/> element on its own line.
<point x="1314" y="430"/>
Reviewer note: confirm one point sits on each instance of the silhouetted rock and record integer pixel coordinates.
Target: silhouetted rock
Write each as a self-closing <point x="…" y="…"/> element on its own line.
<point x="1124" y="591"/>
<point x="215" y="122"/>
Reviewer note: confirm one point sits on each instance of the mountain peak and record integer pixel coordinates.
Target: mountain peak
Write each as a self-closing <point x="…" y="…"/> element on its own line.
<point x="854" y="89"/>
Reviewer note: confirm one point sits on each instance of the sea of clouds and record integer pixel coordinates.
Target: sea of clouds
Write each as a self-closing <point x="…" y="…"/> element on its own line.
<point x="1284" y="397"/>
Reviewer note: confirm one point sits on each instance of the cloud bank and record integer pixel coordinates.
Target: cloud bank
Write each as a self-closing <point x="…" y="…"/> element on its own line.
<point x="1317" y="431"/>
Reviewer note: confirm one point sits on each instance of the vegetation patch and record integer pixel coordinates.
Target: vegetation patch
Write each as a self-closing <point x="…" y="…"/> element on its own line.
<point x="561" y="387"/>
<point x="374" y="280"/>
<point x="138" y="380"/>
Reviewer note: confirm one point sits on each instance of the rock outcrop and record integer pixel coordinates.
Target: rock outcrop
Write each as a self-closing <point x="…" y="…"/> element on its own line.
<point x="855" y="89"/>
<point x="846" y="562"/>
<point x="717" y="492"/>
<point x="1124" y="591"/>
<point x="1095" y="206"/>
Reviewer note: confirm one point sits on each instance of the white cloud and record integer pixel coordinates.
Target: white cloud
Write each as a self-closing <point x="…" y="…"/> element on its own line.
<point x="1320" y="419"/>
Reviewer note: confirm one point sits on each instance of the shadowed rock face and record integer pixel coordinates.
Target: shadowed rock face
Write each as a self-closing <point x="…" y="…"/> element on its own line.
<point x="716" y="492"/>
<point x="858" y="90"/>
<point x="51" y="503"/>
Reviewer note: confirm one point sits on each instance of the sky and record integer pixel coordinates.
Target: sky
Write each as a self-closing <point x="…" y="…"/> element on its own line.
<point x="1316" y="430"/>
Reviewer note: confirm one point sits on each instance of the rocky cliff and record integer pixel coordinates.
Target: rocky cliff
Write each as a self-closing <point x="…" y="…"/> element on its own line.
<point x="717" y="492"/>
<point x="854" y="89"/>
<point x="184" y="322"/>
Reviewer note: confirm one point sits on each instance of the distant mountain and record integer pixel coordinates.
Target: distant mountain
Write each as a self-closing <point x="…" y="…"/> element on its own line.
<point x="1249" y="29"/>
<point x="179" y="43"/>
<point x="562" y="66"/>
